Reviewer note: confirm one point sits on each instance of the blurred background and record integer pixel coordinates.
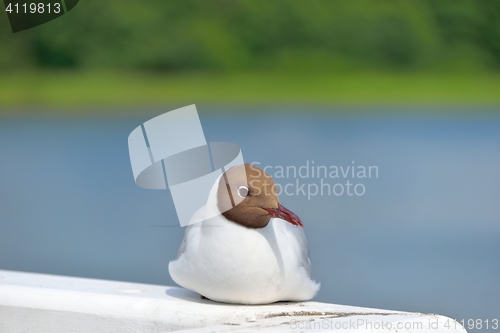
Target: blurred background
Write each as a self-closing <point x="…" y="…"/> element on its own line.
<point x="412" y="87"/>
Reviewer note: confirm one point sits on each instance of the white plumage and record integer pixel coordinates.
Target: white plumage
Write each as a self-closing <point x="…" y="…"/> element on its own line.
<point x="227" y="262"/>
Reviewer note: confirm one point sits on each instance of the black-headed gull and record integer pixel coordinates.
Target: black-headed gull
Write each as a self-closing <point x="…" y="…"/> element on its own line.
<point x="253" y="253"/>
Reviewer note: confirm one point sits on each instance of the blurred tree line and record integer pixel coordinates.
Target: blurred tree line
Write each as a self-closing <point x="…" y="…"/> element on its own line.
<point x="234" y="35"/>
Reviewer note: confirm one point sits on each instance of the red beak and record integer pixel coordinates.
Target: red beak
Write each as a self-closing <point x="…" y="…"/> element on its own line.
<point x="285" y="214"/>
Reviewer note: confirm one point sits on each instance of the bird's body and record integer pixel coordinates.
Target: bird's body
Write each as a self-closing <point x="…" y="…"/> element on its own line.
<point x="229" y="262"/>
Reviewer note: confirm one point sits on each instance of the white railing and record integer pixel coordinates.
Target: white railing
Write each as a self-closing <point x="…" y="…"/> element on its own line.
<point x="51" y="304"/>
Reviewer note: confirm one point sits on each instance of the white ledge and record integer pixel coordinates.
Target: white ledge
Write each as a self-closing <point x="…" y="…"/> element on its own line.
<point x="49" y="303"/>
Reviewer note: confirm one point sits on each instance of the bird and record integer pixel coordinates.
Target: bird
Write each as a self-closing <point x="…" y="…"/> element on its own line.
<point x="253" y="253"/>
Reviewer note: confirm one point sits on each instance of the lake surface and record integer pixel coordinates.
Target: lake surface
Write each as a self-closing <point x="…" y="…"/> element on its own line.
<point x="423" y="236"/>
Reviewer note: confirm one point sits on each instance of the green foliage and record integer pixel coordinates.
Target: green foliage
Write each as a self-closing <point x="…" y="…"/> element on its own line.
<point x="281" y="35"/>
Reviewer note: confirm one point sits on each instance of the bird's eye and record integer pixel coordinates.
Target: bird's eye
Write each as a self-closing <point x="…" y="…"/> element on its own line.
<point x="243" y="191"/>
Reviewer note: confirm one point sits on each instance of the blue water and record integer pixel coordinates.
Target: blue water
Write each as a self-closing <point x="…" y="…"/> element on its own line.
<point x="424" y="236"/>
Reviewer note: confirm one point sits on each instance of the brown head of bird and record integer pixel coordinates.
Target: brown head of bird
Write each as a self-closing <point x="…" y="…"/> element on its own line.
<point x="248" y="196"/>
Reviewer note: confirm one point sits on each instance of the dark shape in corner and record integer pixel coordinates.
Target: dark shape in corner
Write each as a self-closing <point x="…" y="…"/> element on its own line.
<point x="70" y="4"/>
<point x="25" y="15"/>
